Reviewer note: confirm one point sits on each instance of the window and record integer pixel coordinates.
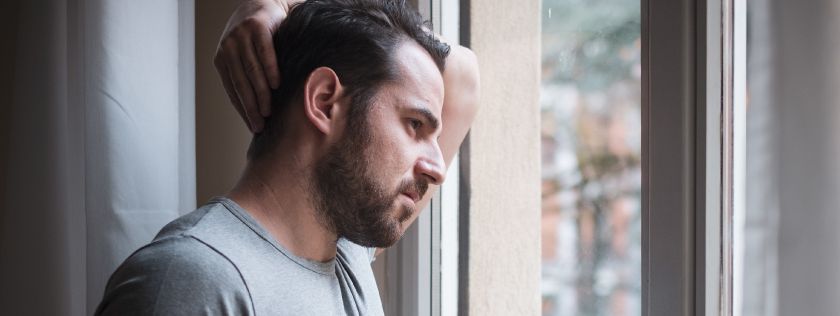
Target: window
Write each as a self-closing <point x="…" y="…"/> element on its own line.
<point x="591" y="157"/>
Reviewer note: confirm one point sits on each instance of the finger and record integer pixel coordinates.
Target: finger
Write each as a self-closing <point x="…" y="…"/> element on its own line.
<point x="243" y="89"/>
<point x="224" y="74"/>
<point x="231" y="93"/>
<point x="254" y="70"/>
<point x="268" y="58"/>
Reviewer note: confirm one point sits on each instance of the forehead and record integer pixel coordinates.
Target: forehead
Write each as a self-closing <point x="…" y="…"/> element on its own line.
<point x="419" y="82"/>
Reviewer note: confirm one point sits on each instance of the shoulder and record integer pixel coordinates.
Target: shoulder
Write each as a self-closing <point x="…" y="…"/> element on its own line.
<point x="355" y="252"/>
<point x="176" y="275"/>
<point x="183" y="225"/>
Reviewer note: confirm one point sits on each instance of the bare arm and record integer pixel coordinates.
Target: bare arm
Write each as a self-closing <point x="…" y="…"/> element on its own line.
<point x="460" y="105"/>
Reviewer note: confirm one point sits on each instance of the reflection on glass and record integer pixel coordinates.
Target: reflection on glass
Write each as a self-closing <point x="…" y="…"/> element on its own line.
<point x="591" y="150"/>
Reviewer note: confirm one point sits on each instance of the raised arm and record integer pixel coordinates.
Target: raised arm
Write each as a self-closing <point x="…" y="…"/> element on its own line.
<point x="245" y="58"/>
<point x="460" y="104"/>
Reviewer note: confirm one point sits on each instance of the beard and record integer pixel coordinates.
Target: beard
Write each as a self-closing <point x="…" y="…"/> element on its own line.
<point x="351" y="202"/>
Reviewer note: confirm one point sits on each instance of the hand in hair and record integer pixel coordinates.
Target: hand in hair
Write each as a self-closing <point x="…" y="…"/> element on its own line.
<point x="246" y="61"/>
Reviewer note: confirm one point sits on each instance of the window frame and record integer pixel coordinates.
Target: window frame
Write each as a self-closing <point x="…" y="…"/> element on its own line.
<point x="687" y="154"/>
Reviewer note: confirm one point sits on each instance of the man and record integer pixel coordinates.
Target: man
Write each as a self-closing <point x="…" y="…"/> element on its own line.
<point x="370" y="110"/>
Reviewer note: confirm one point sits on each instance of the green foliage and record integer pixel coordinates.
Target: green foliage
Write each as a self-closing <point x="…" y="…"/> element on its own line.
<point x="590" y="43"/>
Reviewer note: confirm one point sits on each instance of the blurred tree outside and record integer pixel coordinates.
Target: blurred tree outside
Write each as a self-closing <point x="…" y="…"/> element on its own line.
<point x="591" y="150"/>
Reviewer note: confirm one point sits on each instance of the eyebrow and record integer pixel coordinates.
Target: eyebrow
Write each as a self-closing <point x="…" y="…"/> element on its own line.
<point x="430" y="118"/>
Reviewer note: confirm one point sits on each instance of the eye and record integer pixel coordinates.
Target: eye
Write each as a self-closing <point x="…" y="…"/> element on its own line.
<point x="415" y="123"/>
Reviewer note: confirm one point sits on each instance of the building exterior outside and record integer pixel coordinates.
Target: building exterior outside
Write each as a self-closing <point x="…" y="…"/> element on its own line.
<point x="591" y="150"/>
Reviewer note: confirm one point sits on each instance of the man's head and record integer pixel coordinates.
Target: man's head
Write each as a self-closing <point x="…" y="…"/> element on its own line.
<point x="365" y="78"/>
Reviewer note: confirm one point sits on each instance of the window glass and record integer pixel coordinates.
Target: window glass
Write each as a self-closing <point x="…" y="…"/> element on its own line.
<point x="591" y="151"/>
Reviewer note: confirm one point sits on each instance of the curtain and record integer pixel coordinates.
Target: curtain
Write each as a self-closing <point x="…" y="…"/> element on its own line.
<point x="807" y="101"/>
<point x="99" y="151"/>
<point x="792" y="244"/>
<point x="761" y="218"/>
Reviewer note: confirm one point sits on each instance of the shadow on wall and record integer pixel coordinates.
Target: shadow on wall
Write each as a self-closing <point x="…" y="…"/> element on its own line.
<point x="221" y="136"/>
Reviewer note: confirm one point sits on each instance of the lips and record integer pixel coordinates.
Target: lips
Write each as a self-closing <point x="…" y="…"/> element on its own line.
<point x="414" y="190"/>
<point x="413" y="195"/>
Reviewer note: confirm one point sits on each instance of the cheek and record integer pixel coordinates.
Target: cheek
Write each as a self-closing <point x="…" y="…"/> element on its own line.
<point x="389" y="152"/>
<point x="400" y="158"/>
<point x="387" y="161"/>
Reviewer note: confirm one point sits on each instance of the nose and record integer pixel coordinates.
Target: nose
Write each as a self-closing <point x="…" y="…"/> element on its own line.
<point x="431" y="166"/>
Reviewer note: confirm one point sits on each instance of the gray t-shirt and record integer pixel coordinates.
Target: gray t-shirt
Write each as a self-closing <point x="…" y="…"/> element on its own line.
<point x="218" y="261"/>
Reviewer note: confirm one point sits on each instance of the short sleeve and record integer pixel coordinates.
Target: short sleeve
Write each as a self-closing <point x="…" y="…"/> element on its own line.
<point x="176" y="276"/>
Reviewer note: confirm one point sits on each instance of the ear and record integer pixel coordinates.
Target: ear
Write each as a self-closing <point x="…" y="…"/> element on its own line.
<point x="321" y="93"/>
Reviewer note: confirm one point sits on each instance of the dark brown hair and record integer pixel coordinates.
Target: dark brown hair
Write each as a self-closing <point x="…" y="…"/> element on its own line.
<point x="356" y="39"/>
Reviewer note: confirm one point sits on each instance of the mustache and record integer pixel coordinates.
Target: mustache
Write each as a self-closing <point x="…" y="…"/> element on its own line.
<point x="416" y="186"/>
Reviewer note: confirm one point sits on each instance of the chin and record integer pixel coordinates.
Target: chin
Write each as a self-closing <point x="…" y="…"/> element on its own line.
<point x="383" y="235"/>
<point x="404" y="212"/>
<point x="388" y="231"/>
<point x="391" y="235"/>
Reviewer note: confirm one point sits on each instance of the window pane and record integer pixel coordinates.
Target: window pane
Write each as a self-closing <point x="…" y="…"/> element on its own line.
<point x="591" y="150"/>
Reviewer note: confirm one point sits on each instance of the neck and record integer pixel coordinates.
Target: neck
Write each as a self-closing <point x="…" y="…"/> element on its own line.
<point x="277" y="195"/>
